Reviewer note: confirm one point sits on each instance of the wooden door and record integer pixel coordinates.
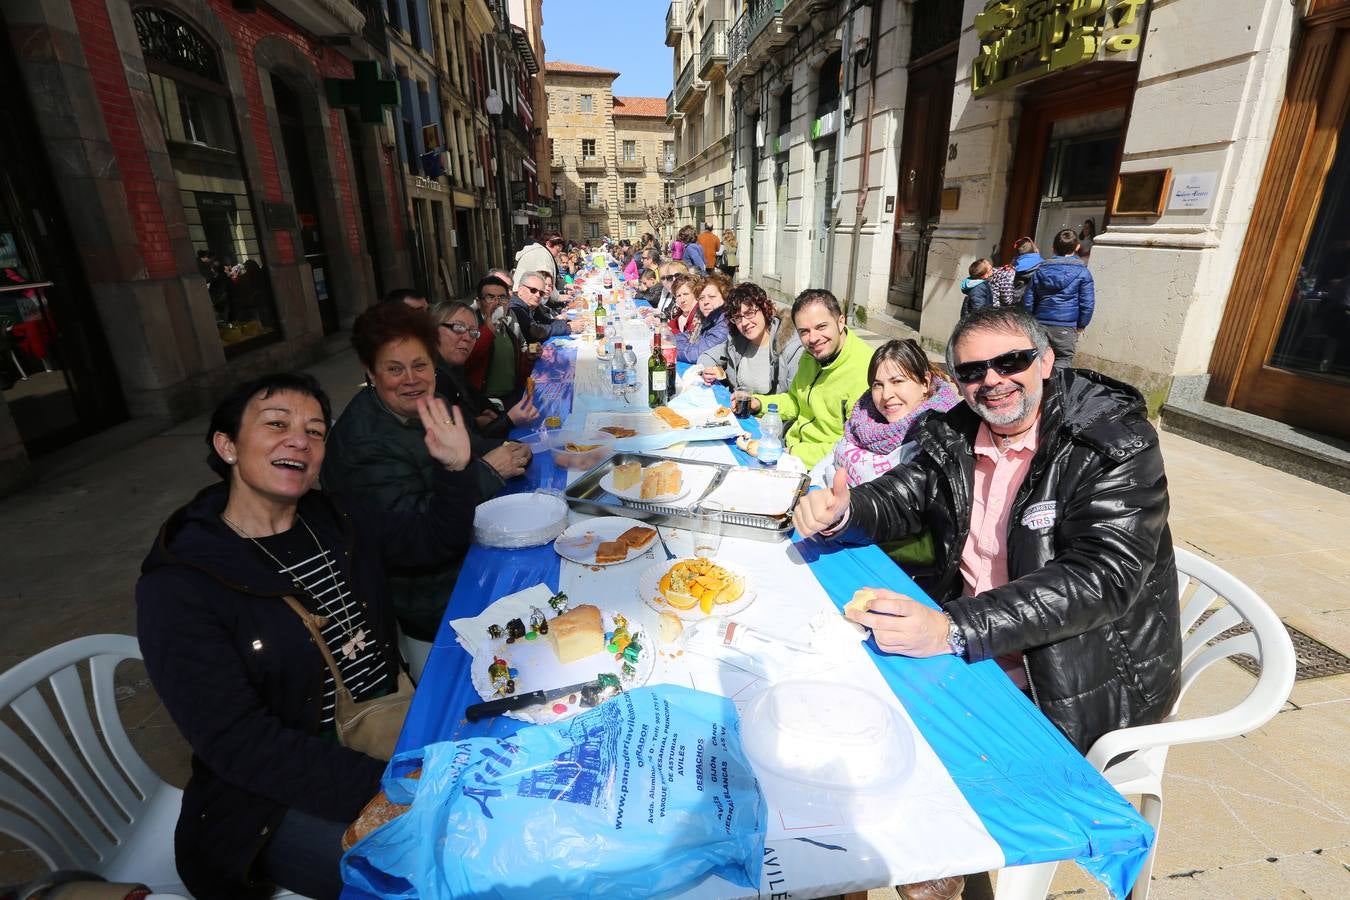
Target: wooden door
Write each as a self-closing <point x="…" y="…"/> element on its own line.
<point x="923" y="160"/>
<point x="1283" y="349"/>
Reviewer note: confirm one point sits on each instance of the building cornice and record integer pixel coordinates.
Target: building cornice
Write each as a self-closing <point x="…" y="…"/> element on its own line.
<point x="324" y="18"/>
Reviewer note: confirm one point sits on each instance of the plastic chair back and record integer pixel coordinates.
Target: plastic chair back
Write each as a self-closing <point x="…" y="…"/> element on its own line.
<point x="81" y="818"/>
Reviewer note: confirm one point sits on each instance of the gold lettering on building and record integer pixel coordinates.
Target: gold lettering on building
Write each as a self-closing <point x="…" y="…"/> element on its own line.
<point x="1021" y="40"/>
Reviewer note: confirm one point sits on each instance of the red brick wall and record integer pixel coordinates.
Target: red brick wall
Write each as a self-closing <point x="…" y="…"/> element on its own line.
<point x="246" y="29"/>
<point x="110" y="85"/>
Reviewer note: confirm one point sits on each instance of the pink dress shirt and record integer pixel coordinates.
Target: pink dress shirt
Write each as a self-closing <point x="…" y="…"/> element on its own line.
<point x="999" y="472"/>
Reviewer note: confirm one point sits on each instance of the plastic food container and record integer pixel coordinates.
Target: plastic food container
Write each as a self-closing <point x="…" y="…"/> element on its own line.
<point x="600" y="446"/>
<point x="827" y="735"/>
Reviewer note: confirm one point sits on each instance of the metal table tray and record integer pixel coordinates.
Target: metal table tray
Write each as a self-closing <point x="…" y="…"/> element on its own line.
<point x="587" y="495"/>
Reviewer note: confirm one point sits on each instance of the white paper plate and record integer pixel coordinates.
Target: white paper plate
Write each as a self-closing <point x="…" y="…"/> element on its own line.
<point x="650" y="592"/>
<point x="538" y="669"/>
<point x="579" y="542"/>
<point x="519" y="520"/>
<point x="634" y="493"/>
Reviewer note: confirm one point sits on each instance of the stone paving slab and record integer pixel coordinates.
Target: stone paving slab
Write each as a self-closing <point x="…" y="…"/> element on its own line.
<point x="1264" y="815"/>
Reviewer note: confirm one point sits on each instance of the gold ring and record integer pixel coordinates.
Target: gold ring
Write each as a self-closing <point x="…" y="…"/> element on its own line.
<point x="449" y="422"/>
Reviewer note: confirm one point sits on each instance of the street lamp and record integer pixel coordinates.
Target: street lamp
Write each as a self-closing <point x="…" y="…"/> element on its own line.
<point x="494" y="106"/>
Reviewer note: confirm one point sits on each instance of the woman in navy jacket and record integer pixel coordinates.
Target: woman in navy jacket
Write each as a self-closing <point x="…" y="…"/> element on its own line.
<point x="272" y="789"/>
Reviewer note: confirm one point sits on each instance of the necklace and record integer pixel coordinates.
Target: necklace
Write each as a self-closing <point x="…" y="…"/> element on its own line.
<point x="1007" y="439"/>
<point x="351" y="642"/>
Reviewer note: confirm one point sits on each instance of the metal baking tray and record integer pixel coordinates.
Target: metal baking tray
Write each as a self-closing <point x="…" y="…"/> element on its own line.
<point x="587" y="495"/>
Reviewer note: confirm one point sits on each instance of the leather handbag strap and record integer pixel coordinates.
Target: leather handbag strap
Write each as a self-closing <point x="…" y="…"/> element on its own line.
<point x="311" y="623"/>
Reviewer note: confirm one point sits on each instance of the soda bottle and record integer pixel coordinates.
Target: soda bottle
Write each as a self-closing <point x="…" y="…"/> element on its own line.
<point x="618" y="370"/>
<point x="770" y="436"/>
<point x="656" y="375"/>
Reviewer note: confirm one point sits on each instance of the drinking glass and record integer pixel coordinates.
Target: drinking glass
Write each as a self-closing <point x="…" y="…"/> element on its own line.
<point x="707" y="528"/>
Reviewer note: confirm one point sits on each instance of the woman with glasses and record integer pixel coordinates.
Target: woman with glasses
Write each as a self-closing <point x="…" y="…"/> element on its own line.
<point x="376" y="454"/>
<point x="760" y="354"/>
<point x="458" y="331"/>
<point x="710" y="323"/>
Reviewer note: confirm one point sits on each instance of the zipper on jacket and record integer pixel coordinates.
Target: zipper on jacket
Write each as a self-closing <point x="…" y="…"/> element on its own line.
<point x="1031" y="685"/>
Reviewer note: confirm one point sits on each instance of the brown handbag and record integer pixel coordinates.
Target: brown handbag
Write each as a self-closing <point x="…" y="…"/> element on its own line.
<point x="369" y="726"/>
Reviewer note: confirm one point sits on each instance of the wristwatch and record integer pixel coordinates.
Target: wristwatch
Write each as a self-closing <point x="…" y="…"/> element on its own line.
<point x="956" y="641"/>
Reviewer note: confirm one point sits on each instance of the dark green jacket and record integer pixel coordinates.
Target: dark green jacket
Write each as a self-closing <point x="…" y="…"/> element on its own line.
<point x="374" y="457"/>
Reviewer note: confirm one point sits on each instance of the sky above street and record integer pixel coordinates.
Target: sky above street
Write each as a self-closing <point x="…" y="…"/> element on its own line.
<point x="627" y="37"/>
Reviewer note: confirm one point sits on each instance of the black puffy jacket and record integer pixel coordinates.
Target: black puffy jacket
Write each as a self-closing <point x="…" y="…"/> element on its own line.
<point x="1092" y="593"/>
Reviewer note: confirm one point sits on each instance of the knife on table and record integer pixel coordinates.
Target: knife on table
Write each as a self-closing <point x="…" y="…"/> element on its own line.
<point x="520" y="701"/>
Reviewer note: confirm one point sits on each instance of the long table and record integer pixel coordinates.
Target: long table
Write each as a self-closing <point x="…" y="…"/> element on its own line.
<point x="1000" y="785"/>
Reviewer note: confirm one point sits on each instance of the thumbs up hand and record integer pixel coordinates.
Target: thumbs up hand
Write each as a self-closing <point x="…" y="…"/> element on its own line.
<point x="820" y="510"/>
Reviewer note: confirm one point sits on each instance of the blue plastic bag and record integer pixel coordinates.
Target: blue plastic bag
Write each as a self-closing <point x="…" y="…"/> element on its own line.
<point x="642" y="796"/>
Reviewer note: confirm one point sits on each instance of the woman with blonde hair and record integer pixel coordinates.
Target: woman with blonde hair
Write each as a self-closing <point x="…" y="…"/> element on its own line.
<point x="711" y="327"/>
<point x="731" y="256"/>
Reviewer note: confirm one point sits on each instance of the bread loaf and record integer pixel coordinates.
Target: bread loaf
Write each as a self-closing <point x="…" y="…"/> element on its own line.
<point x="577" y="633"/>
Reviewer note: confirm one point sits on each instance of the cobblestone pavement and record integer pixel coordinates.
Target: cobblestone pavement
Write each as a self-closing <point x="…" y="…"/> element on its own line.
<point x="1264" y="815"/>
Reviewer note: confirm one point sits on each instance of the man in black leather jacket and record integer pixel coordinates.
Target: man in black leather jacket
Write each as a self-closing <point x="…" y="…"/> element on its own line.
<point x="1069" y="578"/>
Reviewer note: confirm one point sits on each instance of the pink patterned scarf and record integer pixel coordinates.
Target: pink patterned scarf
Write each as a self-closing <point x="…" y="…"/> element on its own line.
<point x="868" y="428"/>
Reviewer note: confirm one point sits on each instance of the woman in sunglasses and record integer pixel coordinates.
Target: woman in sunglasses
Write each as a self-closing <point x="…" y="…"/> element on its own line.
<point x="760" y="354"/>
<point x="376" y="453"/>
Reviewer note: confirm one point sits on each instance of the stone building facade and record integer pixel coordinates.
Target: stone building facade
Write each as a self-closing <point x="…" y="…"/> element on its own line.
<point x="700" y="110"/>
<point x="1192" y="146"/>
<point x="606" y="153"/>
<point x="155" y="132"/>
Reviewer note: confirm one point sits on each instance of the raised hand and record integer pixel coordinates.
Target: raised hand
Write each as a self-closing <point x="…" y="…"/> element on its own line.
<point x="902" y="625"/>
<point x="819" y="510"/>
<point x="447" y="438"/>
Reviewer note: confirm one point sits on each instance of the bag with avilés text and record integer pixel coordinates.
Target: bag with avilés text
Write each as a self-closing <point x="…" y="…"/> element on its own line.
<point x="644" y="795"/>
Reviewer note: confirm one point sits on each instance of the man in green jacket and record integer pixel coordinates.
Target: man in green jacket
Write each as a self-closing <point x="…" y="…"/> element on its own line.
<point x="828" y="381"/>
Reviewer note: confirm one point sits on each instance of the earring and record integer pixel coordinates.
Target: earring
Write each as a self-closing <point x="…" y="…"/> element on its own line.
<point x="230" y="460"/>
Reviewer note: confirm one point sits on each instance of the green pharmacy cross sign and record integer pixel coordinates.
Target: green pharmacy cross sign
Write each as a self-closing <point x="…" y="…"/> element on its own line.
<point x="366" y="91"/>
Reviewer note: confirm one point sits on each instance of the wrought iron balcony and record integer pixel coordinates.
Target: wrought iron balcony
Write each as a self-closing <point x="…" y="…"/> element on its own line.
<point x="557" y="163"/>
<point x="712" y="50"/>
<point x="689" y="87"/>
<point x="590" y="163"/>
<point x="632" y="207"/>
<point x="592" y="207"/>
<point x="639" y="164"/>
<point x="738" y="41"/>
<point x="674" y="22"/>
<point x="673" y="115"/>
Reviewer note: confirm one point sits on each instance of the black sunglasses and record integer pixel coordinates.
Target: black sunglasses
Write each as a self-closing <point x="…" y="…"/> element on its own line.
<point x="532" y="290"/>
<point x="1004" y="364"/>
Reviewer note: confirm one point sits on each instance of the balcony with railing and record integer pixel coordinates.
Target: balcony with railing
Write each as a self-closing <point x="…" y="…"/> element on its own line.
<point x="592" y="207"/>
<point x="673" y="115"/>
<point x="758" y="30"/>
<point x="798" y="12"/>
<point x="590" y="163"/>
<point x="637" y="164"/>
<point x="712" y="50"/>
<point x="689" y="88"/>
<point x="632" y="207"/>
<point x="557" y="163"/>
<point x="674" y="22"/>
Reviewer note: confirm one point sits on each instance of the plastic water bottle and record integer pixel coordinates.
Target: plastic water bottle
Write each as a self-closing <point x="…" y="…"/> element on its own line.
<point x="630" y="366"/>
<point x="618" y="370"/>
<point x="770" y="437"/>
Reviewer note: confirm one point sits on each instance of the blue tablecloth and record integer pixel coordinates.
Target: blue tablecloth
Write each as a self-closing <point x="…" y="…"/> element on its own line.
<point x="1035" y="794"/>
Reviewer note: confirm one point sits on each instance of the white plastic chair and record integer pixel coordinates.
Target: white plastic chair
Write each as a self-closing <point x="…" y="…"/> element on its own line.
<point x="121" y="827"/>
<point x="1141" y="773"/>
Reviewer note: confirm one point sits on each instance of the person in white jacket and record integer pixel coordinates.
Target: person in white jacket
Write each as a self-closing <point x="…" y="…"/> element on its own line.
<point x="541" y="256"/>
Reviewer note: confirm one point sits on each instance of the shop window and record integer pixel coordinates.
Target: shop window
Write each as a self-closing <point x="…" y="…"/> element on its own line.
<point x="200" y="133"/>
<point x="1077" y="177"/>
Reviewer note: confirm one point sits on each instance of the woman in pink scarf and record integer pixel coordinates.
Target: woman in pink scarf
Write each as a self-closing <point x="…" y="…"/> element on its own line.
<point x="904" y="386"/>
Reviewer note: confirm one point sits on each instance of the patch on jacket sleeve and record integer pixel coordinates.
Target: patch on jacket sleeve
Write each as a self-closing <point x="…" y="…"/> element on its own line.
<point x="1041" y="516"/>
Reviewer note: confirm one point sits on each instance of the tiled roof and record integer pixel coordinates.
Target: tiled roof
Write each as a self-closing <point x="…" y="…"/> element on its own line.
<point x="646" y="107"/>
<point x="567" y="68"/>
